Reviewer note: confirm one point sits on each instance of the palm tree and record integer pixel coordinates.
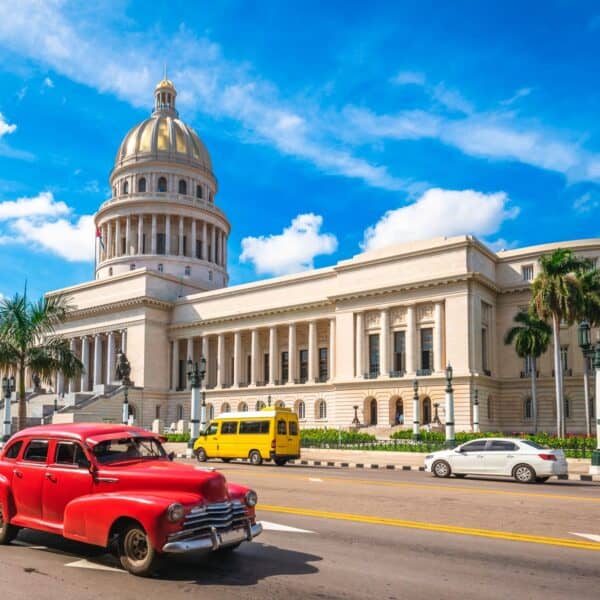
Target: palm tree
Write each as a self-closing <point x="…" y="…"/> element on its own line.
<point x="531" y="337"/>
<point x="27" y="340"/>
<point x="557" y="296"/>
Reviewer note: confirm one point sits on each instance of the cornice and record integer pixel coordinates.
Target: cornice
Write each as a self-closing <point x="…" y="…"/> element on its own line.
<point x="109" y="307"/>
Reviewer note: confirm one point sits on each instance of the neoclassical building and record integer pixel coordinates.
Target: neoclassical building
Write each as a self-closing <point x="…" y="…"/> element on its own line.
<point x="356" y="334"/>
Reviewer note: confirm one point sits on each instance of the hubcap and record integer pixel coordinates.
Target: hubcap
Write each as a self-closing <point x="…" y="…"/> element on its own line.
<point x="441" y="469"/>
<point x="523" y="474"/>
<point x="136" y="545"/>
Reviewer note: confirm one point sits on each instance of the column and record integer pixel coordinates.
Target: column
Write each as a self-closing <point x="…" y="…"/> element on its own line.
<point x="109" y="247"/>
<point x="140" y="235"/>
<point x="128" y="236"/>
<point x="204" y="241"/>
<point x="213" y="244"/>
<point x="175" y="365"/>
<point x="253" y="355"/>
<point x="207" y="358"/>
<point x="220" y="359"/>
<point x="438" y="365"/>
<point x="110" y="358"/>
<point x="72" y="379"/>
<point x="312" y="351"/>
<point x="384" y="341"/>
<point x="272" y="355"/>
<point x="180" y="244"/>
<point x="194" y="239"/>
<point x="105" y="240"/>
<point x="237" y="357"/>
<point x="291" y="352"/>
<point x="360" y="335"/>
<point x="222" y="248"/>
<point x="124" y="341"/>
<point x="153" y="236"/>
<point x="85" y="359"/>
<point x="190" y="356"/>
<point x="168" y="235"/>
<point x="411" y="346"/>
<point x="97" y="359"/>
<point x="331" y="349"/>
<point x="118" y="238"/>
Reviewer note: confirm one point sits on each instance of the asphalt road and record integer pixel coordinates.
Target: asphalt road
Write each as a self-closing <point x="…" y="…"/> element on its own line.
<point x="339" y="533"/>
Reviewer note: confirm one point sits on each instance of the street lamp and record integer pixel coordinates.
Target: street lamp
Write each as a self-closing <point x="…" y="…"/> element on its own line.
<point x="416" y="434"/>
<point x="355" y="421"/>
<point x="195" y="374"/>
<point x="8" y="387"/>
<point x="476" y="411"/>
<point x="585" y="343"/>
<point x="450" y="441"/>
<point x="269" y="400"/>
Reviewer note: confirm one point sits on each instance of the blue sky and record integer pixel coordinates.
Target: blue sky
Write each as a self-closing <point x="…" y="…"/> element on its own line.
<point x="343" y="127"/>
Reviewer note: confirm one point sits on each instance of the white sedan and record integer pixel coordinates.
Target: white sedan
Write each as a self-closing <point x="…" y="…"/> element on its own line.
<point x="524" y="460"/>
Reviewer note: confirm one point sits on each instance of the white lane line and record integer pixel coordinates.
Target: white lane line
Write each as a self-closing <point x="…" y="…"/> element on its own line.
<point x="315" y="480"/>
<point x="589" y="536"/>
<point x="268" y="526"/>
<point x="86" y="564"/>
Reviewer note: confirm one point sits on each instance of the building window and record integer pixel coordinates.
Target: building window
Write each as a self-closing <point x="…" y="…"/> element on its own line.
<point x="198" y="248"/>
<point x="187" y="271"/>
<point x="321" y="409"/>
<point x="123" y="246"/>
<point x="374" y="354"/>
<point x="157" y="411"/>
<point x="301" y="409"/>
<point x="592" y="408"/>
<point x="527" y="272"/>
<point x="142" y="185"/>
<point x="210" y="197"/>
<point x="184" y="245"/>
<point x="260" y="405"/>
<point x="210" y="412"/>
<point x="132" y="267"/>
<point x="567" y="407"/>
<point x="243" y="407"/>
<point x="285" y="366"/>
<point x="126" y="187"/>
<point x="161" y="267"/>
<point x="266" y="367"/>
<point x="179" y="412"/>
<point x="182" y="187"/>
<point x="225" y="408"/>
<point x="484" y="350"/>
<point x="323" y="364"/>
<point x="489" y="408"/>
<point x="143" y="243"/>
<point x="198" y="191"/>
<point x="162" y="184"/>
<point x="210" y="275"/>
<point x="564" y="358"/>
<point x="303" y="365"/>
<point x="426" y="411"/>
<point x="248" y="368"/>
<point x="160" y="243"/>
<point x="399" y="351"/>
<point x="110" y="271"/>
<point x="427" y="349"/>
<point x="528" y="409"/>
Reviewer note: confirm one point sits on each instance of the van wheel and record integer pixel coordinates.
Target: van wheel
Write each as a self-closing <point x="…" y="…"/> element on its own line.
<point x="280" y="461"/>
<point x="201" y="455"/>
<point x="136" y="553"/>
<point x="255" y="458"/>
<point x="8" y="532"/>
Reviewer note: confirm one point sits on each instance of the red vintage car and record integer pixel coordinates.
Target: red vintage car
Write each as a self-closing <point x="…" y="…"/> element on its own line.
<point x="115" y="486"/>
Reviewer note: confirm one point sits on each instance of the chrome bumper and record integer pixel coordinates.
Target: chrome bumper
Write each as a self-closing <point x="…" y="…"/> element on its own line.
<point x="215" y="541"/>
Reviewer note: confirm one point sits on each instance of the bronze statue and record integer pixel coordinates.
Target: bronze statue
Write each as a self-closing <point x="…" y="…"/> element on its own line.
<point x="123" y="369"/>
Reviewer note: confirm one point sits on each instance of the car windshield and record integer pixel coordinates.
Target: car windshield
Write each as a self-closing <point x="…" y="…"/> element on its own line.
<point x="126" y="449"/>
<point x="533" y="444"/>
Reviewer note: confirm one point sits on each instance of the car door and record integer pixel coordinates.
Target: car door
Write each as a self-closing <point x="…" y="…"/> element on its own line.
<point x="470" y="458"/>
<point x="211" y="441"/>
<point x="28" y="479"/>
<point x="499" y="457"/>
<point x="67" y="477"/>
<point x="227" y="440"/>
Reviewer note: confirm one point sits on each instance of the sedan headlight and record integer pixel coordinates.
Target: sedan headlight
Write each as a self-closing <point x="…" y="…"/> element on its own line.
<point x="175" y="512"/>
<point x="251" y="498"/>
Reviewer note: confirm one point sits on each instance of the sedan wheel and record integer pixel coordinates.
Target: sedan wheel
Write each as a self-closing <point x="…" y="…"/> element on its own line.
<point x="8" y="532"/>
<point x="524" y="473"/>
<point x="136" y="552"/>
<point x="441" y="468"/>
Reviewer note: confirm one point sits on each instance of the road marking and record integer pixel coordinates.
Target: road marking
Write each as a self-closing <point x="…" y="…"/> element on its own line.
<point x="589" y="536"/>
<point x="87" y="564"/>
<point x="26" y="545"/>
<point x="268" y="526"/>
<point x="486" y="533"/>
<point x="315" y="480"/>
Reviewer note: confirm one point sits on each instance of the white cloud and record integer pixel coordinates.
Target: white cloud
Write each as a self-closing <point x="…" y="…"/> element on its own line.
<point x="5" y="127"/>
<point x="42" y="205"/>
<point x="440" y="212"/>
<point x="48" y="82"/>
<point x="291" y="251"/>
<point x="586" y="202"/>
<point x="409" y="78"/>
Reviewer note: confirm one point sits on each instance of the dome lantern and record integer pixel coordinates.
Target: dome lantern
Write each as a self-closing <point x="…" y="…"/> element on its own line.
<point x="164" y="97"/>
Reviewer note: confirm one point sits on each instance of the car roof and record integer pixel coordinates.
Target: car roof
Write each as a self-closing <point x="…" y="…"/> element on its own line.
<point x="78" y="431"/>
<point x="501" y="439"/>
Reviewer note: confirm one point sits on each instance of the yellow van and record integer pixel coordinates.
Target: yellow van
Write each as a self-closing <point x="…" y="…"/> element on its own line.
<point x="267" y="434"/>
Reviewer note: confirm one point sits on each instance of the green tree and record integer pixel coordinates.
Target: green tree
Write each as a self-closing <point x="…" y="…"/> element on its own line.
<point x="531" y="337"/>
<point x="557" y="296"/>
<point x="27" y="340"/>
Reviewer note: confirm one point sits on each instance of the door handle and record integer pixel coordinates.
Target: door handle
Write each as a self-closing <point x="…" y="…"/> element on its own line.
<point x="50" y="477"/>
<point x="18" y="473"/>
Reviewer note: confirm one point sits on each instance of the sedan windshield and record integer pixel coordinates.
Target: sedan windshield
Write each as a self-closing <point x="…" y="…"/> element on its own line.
<point x="126" y="449"/>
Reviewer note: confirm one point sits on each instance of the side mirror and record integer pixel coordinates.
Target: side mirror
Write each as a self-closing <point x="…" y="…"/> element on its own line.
<point x="171" y="456"/>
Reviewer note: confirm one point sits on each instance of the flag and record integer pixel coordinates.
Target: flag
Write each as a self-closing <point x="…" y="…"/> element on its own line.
<point x="99" y="236"/>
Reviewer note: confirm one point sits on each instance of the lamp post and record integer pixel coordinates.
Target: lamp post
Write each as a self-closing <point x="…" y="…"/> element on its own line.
<point x="355" y="421"/>
<point x="416" y="434"/>
<point x="476" y="411"/>
<point x="585" y="343"/>
<point x="8" y="387"/>
<point x="595" y="466"/>
<point x="269" y="400"/>
<point x="195" y="373"/>
<point x="450" y="441"/>
<point x="125" y="404"/>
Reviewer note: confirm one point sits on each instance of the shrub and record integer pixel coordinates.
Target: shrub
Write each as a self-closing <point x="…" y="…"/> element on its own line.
<point x="177" y="437"/>
<point x="333" y="437"/>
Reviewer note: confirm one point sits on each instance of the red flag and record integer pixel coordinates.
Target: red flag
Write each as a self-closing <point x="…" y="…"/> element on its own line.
<point x="99" y="236"/>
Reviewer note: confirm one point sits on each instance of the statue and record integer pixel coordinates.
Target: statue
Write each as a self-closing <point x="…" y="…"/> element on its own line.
<point x="36" y="382"/>
<point x="123" y="369"/>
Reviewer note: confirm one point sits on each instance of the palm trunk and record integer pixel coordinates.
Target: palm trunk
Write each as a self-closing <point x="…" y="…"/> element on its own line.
<point x="557" y="375"/>
<point x="22" y="419"/>
<point x="534" y="404"/>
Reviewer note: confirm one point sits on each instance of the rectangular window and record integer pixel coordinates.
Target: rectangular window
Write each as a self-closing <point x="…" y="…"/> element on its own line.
<point x="37" y="451"/>
<point x="281" y="427"/>
<point x="185" y="245"/>
<point x="285" y="366"/>
<point x="157" y="411"/>
<point x="427" y="349"/>
<point x="123" y="246"/>
<point x="254" y="427"/>
<point x="266" y="367"/>
<point x="400" y="351"/>
<point x="374" y="354"/>
<point x="527" y="272"/>
<point x="484" y="349"/>
<point x="160" y="243"/>
<point x="198" y="248"/>
<point x="564" y="358"/>
<point x="323" y="364"/>
<point x="229" y="427"/>
<point x="143" y="243"/>
<point x="248" y="368"/>
<point x="293" y="428"/>
<point x="303" y="365"/>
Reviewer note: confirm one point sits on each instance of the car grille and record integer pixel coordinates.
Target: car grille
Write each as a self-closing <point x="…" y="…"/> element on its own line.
<point x="222" y="516"/>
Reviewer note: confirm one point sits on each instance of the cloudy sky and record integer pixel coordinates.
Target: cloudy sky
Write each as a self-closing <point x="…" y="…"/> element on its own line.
<point x="334" y="128"/>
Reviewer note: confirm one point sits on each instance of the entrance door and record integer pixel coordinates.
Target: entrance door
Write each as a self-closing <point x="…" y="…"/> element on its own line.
<point x="373" y="418"/>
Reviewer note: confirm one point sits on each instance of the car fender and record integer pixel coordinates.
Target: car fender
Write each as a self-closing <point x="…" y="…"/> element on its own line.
<point x="238" y="492"/>
<point x="6" y="499"/>
<point x="90" y="518"/>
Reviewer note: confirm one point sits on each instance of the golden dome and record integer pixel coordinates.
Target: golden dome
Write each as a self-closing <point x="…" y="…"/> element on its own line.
<point x="165" y="83"/>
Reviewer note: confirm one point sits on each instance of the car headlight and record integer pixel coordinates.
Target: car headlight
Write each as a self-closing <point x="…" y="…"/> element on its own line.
<point x="175" y="512"/>
<point x="251" y="498"/>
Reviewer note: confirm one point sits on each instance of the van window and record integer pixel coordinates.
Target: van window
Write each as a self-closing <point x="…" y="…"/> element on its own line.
<point x="13" y="450"/>
<point x="229" y="427"/>
<point x="254" y="427"/>
<point x="212" y="429"/>
<point x="281" y="428"/>
<point x="293" y="428"/>
<point x="37" y="451"/>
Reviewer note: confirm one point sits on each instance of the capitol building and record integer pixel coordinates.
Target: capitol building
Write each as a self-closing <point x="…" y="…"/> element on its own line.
<point x="332" y="343"/>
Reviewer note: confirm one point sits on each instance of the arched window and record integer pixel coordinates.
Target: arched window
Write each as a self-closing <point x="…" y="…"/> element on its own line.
<point x="198" y="191"/>
<point x="210" y="412"/>
<point x="301" y="409"/>
<point x="260" y="405"/>
<point x="321" y="409"/>
<point x="126" y="187"/>
<point x="187" y="271"/>
<point x="527" y="408"/>
<point x="426" y="411"/>
<point x="142" y="185"/>
<point x="182" y="186"/>
<point x="373" y="412"/>
<point x="280" y="404"/>
<point x="179" y="412"/>
<point x="243" y="407"/>
<point x="225" y="408"/>
<point x="162" y="184"/>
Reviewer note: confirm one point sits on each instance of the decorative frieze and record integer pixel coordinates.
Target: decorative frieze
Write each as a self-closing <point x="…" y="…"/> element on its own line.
<point x="372" y="320"/>
<point x="398" y="316"/>
<point x="425" y="312"/>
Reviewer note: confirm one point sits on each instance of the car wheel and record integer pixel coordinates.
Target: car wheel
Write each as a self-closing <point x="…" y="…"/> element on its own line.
<point x="255" y="458"/>
<point x="441" y="468"/>
<point x="542" y="479"/>
<point x="524" y="473"/>
<point x="201" y="455"/>
<point x="280" y="462"/>
<point x="8" y="532"/>
<point x="136" y="553"/>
